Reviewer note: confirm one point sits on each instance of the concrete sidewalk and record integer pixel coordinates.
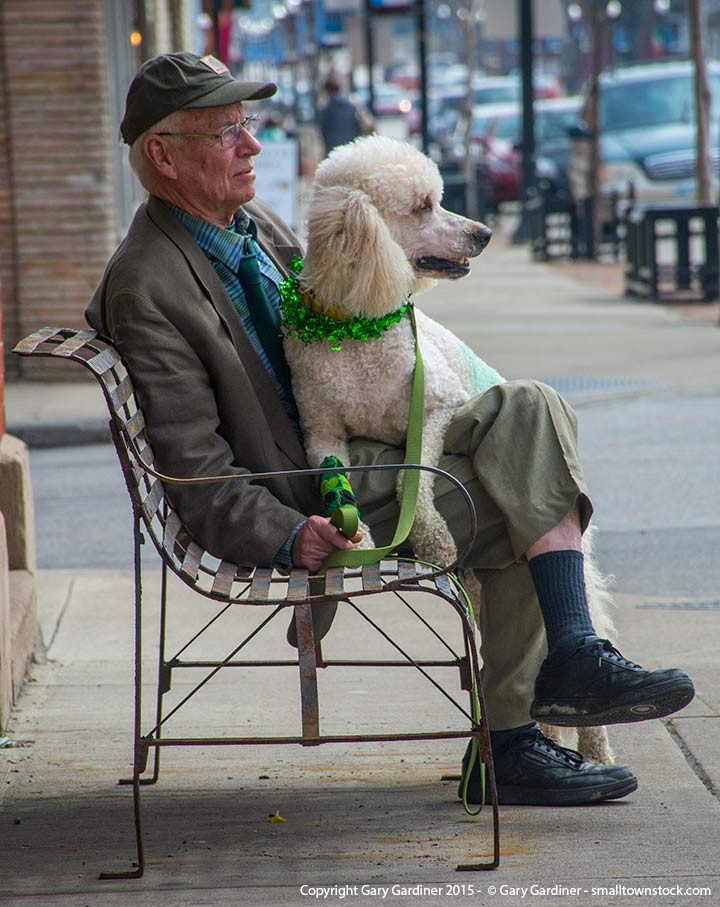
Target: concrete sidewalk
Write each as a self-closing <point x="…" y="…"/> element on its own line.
<point x="379" y="815"/>
<point x="565" y="323"/>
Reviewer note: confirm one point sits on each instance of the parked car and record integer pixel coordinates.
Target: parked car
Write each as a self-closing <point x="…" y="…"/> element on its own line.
<point x="444" y="70"/>
<point x="390" y="101"/>
<point x="406" y="77"/>
<point x="444" y="107"/>
<point x="496" y="133"/>
<point x="647" y="131"/>
<point x="445" y="103"/>
<point x="554" y="117"/>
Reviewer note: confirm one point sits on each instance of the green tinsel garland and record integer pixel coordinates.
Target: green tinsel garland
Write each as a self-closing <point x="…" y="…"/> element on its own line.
<point x="308" y="325"/>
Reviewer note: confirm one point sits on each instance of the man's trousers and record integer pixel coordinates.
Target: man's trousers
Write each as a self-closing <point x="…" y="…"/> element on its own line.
<point x="514" y="448"/>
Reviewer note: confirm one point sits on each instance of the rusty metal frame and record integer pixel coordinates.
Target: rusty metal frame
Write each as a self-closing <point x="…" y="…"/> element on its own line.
<point x="232" y="585"/>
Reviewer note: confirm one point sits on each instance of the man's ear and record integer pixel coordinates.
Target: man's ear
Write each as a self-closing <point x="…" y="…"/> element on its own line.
<point x="161" y="155"/>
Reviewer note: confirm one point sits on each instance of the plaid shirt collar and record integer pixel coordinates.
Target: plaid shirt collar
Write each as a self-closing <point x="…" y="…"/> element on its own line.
<point x="227" y="246"/>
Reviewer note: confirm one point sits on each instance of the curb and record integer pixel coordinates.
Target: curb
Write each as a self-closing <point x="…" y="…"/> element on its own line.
<point x="39" y="434"/>
<point x="77" y="433"/>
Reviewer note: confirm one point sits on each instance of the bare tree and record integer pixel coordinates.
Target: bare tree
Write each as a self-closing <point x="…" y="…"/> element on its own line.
<point x="468" y="13"/>
<point x="704" y="172"/>
<point x="598" y="27"/>
<point x="471" y="49"/>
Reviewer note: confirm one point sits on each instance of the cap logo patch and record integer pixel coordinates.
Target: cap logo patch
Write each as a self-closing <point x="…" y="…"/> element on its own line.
<point x="217" y="66"/>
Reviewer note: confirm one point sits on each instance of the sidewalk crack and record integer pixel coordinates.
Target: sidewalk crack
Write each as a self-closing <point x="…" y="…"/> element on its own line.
<point x="61" y="615"/>
<point x="691" y="760"/>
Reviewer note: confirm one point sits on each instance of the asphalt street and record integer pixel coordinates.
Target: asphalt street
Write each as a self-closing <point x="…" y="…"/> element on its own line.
<point x="651" y="462"/>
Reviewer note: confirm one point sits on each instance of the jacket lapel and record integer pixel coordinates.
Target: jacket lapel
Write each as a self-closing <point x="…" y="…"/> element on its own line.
<point x="283" y="432"/>
<point x="276" y="240"/>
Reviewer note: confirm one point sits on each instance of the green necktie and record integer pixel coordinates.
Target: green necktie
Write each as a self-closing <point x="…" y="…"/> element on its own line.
<point x="265" y="317"/>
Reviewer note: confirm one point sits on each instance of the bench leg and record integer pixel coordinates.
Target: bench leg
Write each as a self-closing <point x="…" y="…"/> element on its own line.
<point x="163" y="683"/>
<point x="710" y="273"/>
<point x="482" y="732"/>
<point x="140" y="746"/>
<point x="307" y="659"/>
<point x="682" y="240"/>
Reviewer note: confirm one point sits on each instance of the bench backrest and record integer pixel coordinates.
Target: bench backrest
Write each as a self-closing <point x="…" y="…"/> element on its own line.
<point x="174" y="543"/>
<point x="212" y="577"/>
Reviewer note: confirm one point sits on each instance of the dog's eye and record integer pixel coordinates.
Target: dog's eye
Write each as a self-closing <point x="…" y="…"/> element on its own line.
<point x="425" y="205"/>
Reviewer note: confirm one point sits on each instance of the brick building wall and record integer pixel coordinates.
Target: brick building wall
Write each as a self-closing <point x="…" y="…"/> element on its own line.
<point x="57" y="208"/>
<point x="7" y="240"/>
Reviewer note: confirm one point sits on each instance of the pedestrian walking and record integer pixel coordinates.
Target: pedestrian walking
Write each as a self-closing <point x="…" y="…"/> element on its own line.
<point x="340" y="119"/>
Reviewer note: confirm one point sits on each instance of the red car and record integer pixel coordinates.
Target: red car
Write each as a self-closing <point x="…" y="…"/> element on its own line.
<point x="497" y="135"/>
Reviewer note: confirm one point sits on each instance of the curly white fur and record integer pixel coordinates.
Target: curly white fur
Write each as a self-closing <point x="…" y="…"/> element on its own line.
<point x="374" y="218"/>
<point x="377" y="233"/>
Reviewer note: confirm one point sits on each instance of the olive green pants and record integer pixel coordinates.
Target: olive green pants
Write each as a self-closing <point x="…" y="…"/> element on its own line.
<point x="514" y="448"/>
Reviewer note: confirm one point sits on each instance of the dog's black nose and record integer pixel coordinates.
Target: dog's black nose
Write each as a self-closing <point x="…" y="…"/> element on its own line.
<point x="482" y="236"/>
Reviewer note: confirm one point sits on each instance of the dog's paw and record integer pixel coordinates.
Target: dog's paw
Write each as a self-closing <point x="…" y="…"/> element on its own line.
<point x="367" y="540"/>
<point x="433" y="543"/>
<point x="592" y="742"/>
<point x="563" y="736"/>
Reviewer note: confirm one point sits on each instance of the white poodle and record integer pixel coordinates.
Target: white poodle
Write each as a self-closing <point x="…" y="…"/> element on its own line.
<point x="377" y="234"/>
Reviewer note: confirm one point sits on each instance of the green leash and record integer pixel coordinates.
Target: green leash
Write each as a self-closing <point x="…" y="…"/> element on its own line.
<point x="345" y="518"/>
<point x="338" y="497"/>
<point x="357" y="557"/>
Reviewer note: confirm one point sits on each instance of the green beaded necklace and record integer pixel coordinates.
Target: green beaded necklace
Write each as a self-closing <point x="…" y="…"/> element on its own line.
<point x="309" y="326"/>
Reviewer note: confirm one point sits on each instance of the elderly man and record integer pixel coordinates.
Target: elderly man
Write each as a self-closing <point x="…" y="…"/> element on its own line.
<point x="190" y="298"/>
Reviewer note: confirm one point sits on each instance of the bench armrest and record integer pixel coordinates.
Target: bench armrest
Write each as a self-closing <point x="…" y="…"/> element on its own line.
<point x="377" y="467"/>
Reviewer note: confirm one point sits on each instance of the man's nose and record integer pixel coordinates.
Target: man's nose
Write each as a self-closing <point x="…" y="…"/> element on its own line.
<point x="249" y="146"/>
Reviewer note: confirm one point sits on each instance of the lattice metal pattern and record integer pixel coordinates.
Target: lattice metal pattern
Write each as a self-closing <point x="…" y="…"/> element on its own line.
<point x="235" y="584"/>
<point x="215" y="578"/>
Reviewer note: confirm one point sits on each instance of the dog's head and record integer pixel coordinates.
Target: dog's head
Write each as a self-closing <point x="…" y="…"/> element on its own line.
<point x="377" y="231"/>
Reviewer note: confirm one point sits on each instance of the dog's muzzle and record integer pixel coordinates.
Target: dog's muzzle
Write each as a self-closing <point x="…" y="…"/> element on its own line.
<point x="453" y="268"/>
<point x="444" y="267"/>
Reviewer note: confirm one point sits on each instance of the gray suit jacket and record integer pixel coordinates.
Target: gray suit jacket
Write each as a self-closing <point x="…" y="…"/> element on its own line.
<point x="210" y="406"/>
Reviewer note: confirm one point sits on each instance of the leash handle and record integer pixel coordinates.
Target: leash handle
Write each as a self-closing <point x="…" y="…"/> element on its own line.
<point x="358" y="557"/>
<point x="345" y="519"/>
<point x="338" y="497"/>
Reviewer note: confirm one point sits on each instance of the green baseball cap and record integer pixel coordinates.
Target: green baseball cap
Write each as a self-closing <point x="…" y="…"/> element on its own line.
<point x="180" y="81"/>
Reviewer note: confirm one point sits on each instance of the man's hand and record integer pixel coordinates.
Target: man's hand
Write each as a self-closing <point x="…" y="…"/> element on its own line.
<point x="316" y="539"/>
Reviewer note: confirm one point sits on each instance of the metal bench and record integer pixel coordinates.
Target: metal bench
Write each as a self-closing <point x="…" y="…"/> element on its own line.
<point x="672" y="252"/>
<point x="232" y="584"/>
<point x="552" y="224"/>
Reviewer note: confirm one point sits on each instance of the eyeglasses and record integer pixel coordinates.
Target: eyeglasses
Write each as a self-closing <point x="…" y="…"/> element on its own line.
<point x="230" y="136"/>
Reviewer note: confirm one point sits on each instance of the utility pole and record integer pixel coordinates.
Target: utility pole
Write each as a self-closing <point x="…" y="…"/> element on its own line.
<point x="528" y="117"/>
<point x="370" y="55"/>
<point x="593" y="214"/>
<point x="422" y="61"/>
<point x="705" y="175"/>
<point x="471" y="47"/>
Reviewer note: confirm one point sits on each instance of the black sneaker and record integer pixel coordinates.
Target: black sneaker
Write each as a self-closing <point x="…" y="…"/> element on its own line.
<point x="595" y="685"/>
<point x="535" y="771"/>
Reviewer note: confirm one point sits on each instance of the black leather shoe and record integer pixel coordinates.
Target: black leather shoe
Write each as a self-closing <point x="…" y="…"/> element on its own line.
<point x="595" y="685"/>
<point x="535" y="771"/>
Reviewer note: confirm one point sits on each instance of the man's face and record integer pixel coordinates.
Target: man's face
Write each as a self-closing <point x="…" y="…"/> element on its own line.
<point x="212" y="176"/>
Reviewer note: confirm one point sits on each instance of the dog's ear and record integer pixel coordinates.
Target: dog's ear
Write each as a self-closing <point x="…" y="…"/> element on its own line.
<point x="353" y="263"/>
